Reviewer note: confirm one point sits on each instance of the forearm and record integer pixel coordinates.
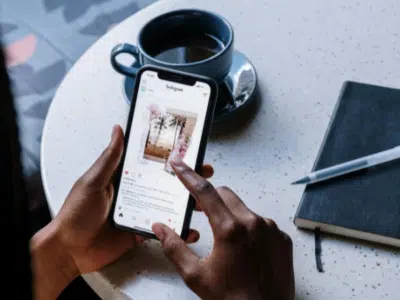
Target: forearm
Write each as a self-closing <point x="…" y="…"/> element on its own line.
<point x="52" y="267"/>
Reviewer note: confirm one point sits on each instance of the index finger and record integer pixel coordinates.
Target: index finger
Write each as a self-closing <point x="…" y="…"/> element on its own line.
<point x="204" y="193"/>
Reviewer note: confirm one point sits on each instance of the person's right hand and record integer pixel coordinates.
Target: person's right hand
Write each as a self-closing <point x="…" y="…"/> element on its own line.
<point x="251" y="257"/>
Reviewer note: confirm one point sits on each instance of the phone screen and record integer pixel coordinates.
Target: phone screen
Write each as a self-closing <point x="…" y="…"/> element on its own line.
<point x="168" y="121"/>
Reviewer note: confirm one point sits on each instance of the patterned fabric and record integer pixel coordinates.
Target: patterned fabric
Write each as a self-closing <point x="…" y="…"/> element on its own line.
<point x="42" y="40"/>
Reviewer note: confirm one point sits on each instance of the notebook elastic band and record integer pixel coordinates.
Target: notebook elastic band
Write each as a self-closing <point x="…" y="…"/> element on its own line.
<point x="318" y="250"/>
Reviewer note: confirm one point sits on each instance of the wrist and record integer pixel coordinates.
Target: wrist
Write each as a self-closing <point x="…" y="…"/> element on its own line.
<point x="53" y="267"/>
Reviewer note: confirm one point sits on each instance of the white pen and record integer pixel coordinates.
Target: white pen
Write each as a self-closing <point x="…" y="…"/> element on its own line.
<point x="351" y="166"/>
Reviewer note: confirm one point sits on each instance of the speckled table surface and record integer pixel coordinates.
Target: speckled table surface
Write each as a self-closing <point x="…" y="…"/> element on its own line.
<point x="303" y="51"/>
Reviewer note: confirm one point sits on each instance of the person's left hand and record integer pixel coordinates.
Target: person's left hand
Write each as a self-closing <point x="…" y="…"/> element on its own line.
<point x="81" y="225"/>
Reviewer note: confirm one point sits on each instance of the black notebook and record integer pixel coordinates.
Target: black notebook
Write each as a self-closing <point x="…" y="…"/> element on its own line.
<point x="364" y="204"/>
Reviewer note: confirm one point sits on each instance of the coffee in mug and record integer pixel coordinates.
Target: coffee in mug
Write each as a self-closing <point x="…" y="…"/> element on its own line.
<point x="188" y="48"/>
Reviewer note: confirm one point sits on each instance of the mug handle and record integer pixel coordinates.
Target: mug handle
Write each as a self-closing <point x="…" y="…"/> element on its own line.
<point x="120" y="68"/>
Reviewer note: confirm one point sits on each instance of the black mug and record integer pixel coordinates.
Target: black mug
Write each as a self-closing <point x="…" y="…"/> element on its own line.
<point x="188" y="40"/>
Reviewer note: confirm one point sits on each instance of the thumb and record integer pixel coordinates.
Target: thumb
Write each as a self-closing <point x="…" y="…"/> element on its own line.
<point x="102" y="170"/>
<point x="177" y="251"/>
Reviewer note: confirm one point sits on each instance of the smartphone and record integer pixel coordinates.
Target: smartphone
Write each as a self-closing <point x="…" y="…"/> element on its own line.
<point x="171" y="115"/>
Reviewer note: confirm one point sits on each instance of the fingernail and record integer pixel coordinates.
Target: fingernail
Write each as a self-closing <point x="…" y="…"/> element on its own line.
<point x="158" y="231"/>
<point x="176" y="161"/>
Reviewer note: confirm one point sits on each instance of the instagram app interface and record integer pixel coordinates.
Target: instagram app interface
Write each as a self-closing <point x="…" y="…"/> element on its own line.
<point x="168" y="121"/>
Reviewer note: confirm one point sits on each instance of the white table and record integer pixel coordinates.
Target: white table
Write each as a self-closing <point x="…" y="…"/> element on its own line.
<point x="303" y="51"/>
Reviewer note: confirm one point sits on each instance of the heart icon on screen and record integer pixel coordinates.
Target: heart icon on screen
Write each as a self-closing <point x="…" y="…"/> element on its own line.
<point x="126" y="172"/>
<point x="169" y="220"/>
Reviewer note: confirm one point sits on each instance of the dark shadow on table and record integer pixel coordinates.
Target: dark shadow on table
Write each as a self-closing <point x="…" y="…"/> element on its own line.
<point x="239" y="125"/>
<point x="78" y="289"/>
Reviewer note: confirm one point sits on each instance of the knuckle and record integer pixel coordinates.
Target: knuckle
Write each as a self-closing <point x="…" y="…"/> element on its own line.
<point x="224" y="189"/>
<point x="287" y="240"/>
<point x="232" y="230"/>
<point x="202" y="186"/>
<point x="86" y="182"/>
<point x="191" y="276"/>
<point x="186" y="172"/>
<point x="107" y="153"/>
<point x="271" y="224"/>
<point x="256" y="223"/>
<point x="170" y="246"/>
<point x="83" y="181"/>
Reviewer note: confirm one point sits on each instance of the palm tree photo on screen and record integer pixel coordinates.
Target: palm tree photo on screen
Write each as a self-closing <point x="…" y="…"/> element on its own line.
<point x="168" y="132"/>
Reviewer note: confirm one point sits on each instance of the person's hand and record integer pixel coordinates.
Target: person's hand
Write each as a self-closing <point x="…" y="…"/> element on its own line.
<point x="251" y="257"/>
<point x="81" y="225"/>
